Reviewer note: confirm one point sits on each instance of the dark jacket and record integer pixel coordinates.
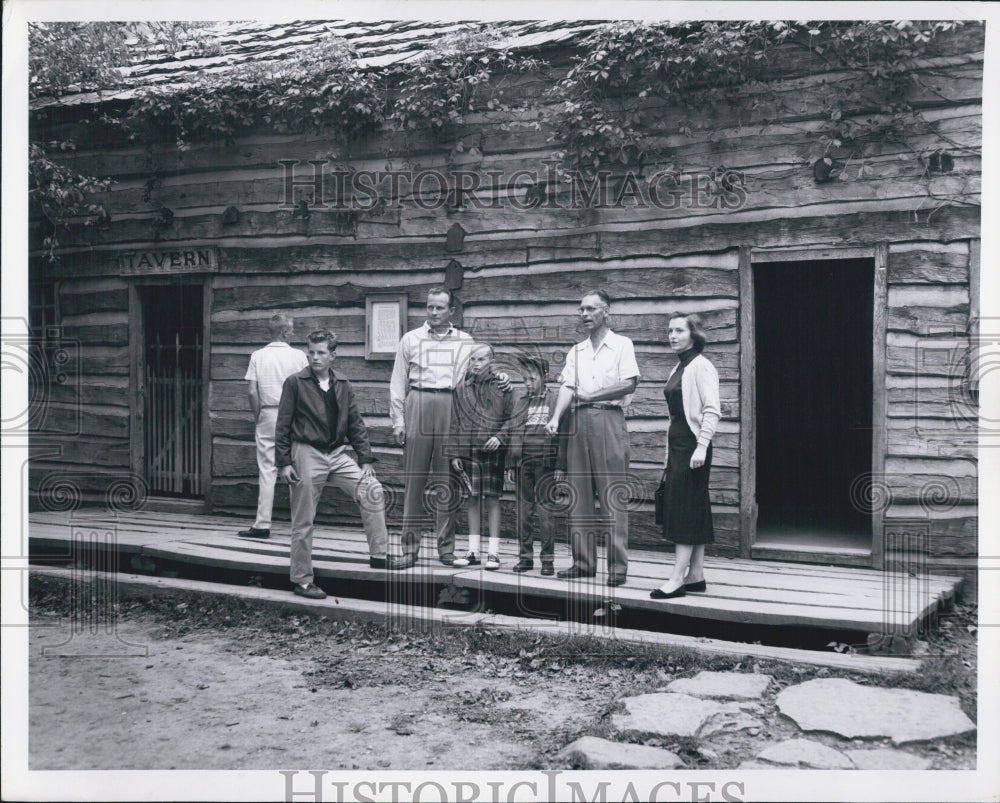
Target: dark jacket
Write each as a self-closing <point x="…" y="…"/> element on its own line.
<point x="302" y="418"/>
<point x="555" y="448"/>
<point x="479" y="411"/>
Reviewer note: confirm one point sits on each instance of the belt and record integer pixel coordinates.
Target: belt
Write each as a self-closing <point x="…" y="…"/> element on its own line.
<point x="600" y="406"/>
<point x="430" y="390"/>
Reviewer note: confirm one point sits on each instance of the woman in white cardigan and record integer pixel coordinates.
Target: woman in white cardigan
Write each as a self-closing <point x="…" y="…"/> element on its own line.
<point x="692" y="394"/>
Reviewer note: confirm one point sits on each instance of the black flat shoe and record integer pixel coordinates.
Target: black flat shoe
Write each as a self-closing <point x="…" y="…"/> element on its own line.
<point x="699" y="586"/>
<point x="657" y="594"/>
<point x="309" y="591"/>
<point x="401" y="562"/>
<point x="616" y="581"/>
<point x="573" y="572"/>
<point x="254" y="532"/>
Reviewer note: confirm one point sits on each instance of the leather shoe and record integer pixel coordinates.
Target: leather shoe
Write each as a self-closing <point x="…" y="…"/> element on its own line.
<point x="401" y="562"/>
<point x="254" y="532"/>
<point x="378" y="563"/>
<point x="573" y="572"/>
<point x="699" y="586"/>
<point x="524" y="566"/>
<point x="310" y="591"/>
<point x="616" y="581"/>
<point x="657" y="594"/>
<point x="548" y="568"/>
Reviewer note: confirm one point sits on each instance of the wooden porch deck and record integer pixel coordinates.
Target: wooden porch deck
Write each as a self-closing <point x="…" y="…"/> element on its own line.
<point x="741" y="592"/>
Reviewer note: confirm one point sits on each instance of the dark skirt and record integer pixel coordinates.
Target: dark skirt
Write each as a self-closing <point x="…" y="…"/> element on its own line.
<point x="485" y="472"/>
<point x="687" y="517"/>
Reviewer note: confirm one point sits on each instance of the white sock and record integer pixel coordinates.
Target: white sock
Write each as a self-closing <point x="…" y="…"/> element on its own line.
<point x="494" y="545"/>
<point x="474" y="539"/>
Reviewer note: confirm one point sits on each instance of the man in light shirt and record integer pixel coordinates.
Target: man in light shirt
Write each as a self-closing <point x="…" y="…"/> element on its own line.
<point x="598" y="380"/>
<point x="268" y="369"/>
<point x="430" y="361"/>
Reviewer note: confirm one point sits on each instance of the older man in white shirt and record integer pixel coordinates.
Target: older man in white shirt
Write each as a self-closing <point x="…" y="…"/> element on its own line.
<point x="268" y="369"/>
<point x="598" y="380"/>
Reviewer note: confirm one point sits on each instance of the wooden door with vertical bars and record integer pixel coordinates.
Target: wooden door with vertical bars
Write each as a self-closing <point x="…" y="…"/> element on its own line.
<point x="174" y="394"/>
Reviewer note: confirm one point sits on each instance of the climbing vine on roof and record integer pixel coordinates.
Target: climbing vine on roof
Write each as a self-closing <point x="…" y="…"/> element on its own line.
<point x="71" y="57"/>
<point x="322" y="87"/>
<point x="630" y="86"/>
<point x="611" y="102"/>
<point x="319" y="88"/>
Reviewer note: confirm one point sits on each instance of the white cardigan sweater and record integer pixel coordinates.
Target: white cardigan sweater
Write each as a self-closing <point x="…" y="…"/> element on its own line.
<point x="700" y="391"/>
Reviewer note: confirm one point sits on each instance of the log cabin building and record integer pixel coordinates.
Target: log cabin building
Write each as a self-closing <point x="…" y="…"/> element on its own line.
<point x="840" y="313"/>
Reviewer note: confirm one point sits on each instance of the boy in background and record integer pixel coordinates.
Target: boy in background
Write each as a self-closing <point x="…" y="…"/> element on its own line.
<point x="478" y="437"/>
<point x="532" y="462"/>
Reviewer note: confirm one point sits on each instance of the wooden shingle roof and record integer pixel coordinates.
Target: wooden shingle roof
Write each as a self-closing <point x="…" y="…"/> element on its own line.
<point x="377" y="44"/>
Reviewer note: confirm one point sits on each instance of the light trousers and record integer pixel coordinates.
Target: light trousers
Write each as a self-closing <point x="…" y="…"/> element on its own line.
<point x="428" y="420"/>
<point x="597" y="460"/>
<point x="314" y="467"/>
<point x="267" y="473"/>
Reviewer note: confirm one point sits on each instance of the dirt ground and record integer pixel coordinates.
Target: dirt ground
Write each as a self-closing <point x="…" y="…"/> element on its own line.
<point x="189" y="682"/>
<point x="204" y="701"/>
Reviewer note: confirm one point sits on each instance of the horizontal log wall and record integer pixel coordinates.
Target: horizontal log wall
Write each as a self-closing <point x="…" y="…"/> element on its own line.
<point x="524" y="270"/>
<point x="494" y="311"/>
<point x="931" y="468"/>
<point x="81" y="450"/>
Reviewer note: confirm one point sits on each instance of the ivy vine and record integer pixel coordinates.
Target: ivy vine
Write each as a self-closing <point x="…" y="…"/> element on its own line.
<point x="610" y="105"/>
<point x="461" y="75"/>
<point x="321" y="87"/>
<point x="71" y="57"/>
<point x="605" y="99"/>
<point x="59" y="196"/>
<point x="324" y="88"/>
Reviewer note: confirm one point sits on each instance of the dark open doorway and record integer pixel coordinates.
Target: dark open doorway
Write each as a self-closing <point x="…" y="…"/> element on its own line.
<point x="173" y="401"/>
<point x="813" y="335"/>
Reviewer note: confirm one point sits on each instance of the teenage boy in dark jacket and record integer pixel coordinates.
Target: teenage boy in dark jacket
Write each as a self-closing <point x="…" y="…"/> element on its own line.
<point x="532" y="461"/>
<point x="318" y="419"/>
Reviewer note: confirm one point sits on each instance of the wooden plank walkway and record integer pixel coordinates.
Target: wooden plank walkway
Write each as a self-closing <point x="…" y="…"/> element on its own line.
<point x="739" y="591"/>
<point x="343" y="608"/>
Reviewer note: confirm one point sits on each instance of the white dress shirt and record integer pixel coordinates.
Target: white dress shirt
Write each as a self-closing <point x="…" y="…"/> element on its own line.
<point x="427" y="360"/>
<point x="589" y="370"/>
<point x="270" y="366"/>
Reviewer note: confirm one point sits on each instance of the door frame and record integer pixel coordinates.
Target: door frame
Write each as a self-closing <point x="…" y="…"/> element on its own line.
<point x="749" y="257"/>
<point x="137" y="376"/>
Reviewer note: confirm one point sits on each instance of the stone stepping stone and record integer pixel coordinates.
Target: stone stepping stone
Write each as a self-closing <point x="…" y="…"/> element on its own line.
<point x="664" y="714"/>
<point x="730" y="721"/>
<point x="594" y="753"/>
<point x="848" y="709"/>
<point x="805" y="753"/>
<point x="731" y="685"/>
<point x="883" y="758"/>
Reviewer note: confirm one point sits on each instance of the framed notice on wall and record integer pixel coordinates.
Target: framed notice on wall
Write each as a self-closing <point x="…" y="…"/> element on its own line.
<point x="385" y="323"/>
